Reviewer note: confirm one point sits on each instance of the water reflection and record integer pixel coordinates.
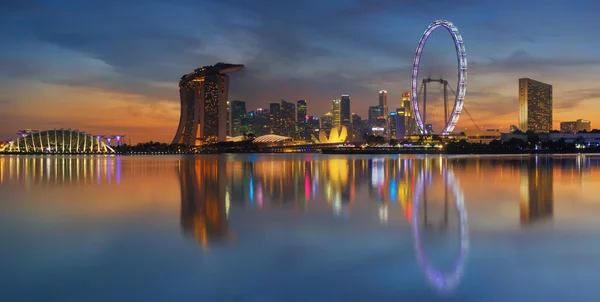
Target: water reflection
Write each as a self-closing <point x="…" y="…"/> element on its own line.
<point x="451" y="190"/>
<point x="537" y="193"/>
<point x="204" y="199"/>
<point x="369" y="214"/>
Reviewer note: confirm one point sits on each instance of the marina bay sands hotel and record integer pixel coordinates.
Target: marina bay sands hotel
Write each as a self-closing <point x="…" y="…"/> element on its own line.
<point x="203" y="95"/>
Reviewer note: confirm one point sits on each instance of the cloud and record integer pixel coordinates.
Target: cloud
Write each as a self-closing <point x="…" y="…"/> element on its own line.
<point x="574" y="98"/>
<point x="520" y="61"/>
<point x="6" y="101"/>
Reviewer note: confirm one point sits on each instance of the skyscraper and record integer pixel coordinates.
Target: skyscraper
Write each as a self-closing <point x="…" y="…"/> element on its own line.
<point x="288" y="119"/>
<point x="301" y="121"/>
<point x="327" y="122"/>
<point x="203" y="95"/>
<point x="357" y="127"/>
<point x="535" y="106"/>
<point x="383" y="101"/>
<point x="313" y="127"/>
<point x="393" y="121"/>
<point x="261" y="123"/>
<point x="408" y="118"/>
<point x="374" y="113"/>
<point x="301" y="107"/>
<point x="335" y="113"/>
<point x="238" y="111"/>
<point x="345" y="114"/>
<point x="400" y="123"/>
<point x="275" y="117"/>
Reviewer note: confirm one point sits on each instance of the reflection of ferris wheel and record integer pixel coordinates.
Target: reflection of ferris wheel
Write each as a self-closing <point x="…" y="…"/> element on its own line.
<point x="443" y="281"/>
<point x="449" y="122"/>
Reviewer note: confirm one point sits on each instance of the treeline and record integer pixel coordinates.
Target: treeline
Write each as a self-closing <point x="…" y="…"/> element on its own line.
<point x="517" y="146"/>
<point x="152" y="147"/>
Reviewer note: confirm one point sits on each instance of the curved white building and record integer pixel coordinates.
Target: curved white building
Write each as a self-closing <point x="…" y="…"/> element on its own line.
<point x="272" y="138"/>
<point x="58" y="141"/>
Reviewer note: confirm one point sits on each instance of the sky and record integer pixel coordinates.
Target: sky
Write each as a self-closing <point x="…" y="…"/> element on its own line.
<point x="112" y="67"/>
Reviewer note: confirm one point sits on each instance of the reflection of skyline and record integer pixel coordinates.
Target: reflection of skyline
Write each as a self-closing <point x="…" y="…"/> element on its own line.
<point x="204" y="199"/>
<point x="537" y="193"/>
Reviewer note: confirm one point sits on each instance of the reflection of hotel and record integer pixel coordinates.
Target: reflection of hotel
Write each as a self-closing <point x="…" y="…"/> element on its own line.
<point x="536" y="190"/>
<point x="204" y="200"/>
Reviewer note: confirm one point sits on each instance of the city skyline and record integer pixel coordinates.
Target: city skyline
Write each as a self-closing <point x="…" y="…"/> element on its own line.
<point x="120" y="78"/>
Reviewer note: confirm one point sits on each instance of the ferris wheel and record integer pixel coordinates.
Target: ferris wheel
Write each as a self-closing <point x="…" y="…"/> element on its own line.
<point x="450" y="118"/>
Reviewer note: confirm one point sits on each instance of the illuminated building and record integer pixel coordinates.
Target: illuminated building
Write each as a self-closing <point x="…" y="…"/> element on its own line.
<point x="238" y="111"/>
<point x="568" y="127"/>
<point x="335" y="113"/>
<point x="400" y="123"/>
<point x="301" y="120"/>
<point x="345" y="113"/>
<point x="380" y="125"/>
<point x="374" y="113"/>
<point x="288" y="119"/>
<point x="327" y="122"/>
<point x="357" y="127"/>
<point x="204" y="199"/>
<point x="383" y="102"/>
<point x="393" y="120"/>
<point x="408" y="120"/>
<point x="535" y="106"/>
<point x="59" y="141"/>
<point x="584" y="125"/>
<point x="275" y="118"/>
<point x="203" y="94"/>
<point x="537" y="194"/>
<point x="313" y="126"/>
<point x="261" y="124"/>
<point x="336" y="135"/>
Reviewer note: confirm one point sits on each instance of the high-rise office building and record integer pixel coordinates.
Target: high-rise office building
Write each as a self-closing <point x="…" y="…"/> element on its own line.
<point x="261" y="124"/>
<point x="203" y="95"/>
<point x="535" y="106"/>
<point x="400" y="123"/>
<point x="393" y="121"/>
<point x="275" y="118"/>
<point x="313" y="127"/>
<point x="357" y="127"/>
<point x="327" y="122"/>
<point x="335" y="113"/>
<point x="228" y="121"/>
<point x="301" y="107"/>
<point x="301" y="121"/>
<point x="584" y="125"/>
<point x="288" y="119"/>
<point x="374" y="113"/>
<point x="408" y="117"/>
<point x="238" y="112"/>
<point x="383" y="101"/>
<point x="345" y="113"/>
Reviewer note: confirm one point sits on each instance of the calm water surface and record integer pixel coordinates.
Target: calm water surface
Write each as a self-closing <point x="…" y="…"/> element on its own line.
<point x="300" y="228"/>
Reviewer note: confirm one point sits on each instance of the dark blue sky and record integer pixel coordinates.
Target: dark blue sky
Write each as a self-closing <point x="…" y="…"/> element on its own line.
<point x="113" y="66"/>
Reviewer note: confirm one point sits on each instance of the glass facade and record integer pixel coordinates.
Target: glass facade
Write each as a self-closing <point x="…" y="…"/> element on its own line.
<point x="535" y="106"/>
